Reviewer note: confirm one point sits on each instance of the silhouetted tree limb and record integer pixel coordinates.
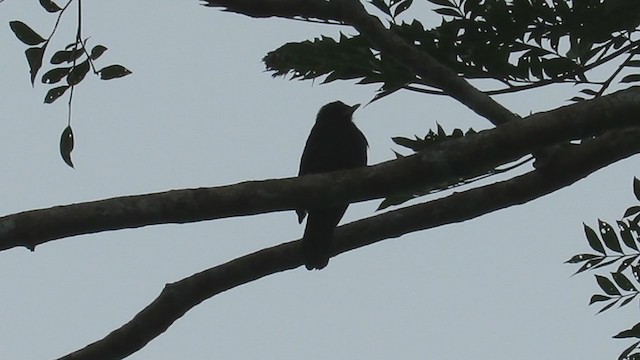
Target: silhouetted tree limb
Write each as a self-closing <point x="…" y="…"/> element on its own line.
<point x="177" y="298"/>
<point x="446" y="162"/>
<point x="353" y="13"/>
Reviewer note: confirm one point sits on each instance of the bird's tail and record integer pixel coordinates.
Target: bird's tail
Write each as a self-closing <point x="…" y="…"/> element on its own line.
<point x="317" y="241"/>
<point x="316" y="247"/>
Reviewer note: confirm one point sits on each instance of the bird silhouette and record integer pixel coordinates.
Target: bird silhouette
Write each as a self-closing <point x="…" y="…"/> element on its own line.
<point x="335" y="143"/>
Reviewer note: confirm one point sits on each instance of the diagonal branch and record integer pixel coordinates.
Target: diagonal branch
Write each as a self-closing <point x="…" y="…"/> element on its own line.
<point x="352" y="12"/>
<point x="177" y="298"/>
<point x="446" y="162"/>
<point x="422" y="64"/>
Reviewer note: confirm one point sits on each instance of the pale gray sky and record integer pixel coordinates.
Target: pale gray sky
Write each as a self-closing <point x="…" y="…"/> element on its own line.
<point x="199" y="110"/>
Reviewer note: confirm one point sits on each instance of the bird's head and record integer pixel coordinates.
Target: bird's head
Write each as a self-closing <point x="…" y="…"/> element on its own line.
<point x="336" y="112"/>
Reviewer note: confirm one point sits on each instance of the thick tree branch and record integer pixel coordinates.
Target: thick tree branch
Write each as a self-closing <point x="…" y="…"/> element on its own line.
<point x="177" y="298"/>
<point x="352" y="12"/>
<point x="422" y="64"/>
<point x="303" y="9"/>
<point x="446" y="162"/>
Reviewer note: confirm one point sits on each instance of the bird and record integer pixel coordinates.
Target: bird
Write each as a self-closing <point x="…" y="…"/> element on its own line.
<point x="335" y="143"/>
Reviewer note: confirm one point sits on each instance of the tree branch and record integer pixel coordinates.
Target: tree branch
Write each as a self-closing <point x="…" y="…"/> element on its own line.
<point x="352" y="12"/>
<point x="304" y="9"/>
<point x="177" y="298"/>
<point x="446" y="162"/>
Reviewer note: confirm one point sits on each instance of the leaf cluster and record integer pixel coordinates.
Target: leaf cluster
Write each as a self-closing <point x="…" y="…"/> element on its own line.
<point x="621" y="249"/>
<point x="71" y="64"/>
<point x="521" y="44"/>
<point x="417" y="144"/>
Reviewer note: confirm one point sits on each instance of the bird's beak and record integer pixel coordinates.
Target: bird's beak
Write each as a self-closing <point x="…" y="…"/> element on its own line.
<point x="354" y="108"/>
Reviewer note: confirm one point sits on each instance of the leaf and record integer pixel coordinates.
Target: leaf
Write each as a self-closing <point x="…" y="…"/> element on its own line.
<point x="626" y="263"/>
<point x="589" y="264"/>
<point x="448" y="12"/>
<point x="598" y="298"/>
<point x="402" y="7"/>
<point x="394" y="200"/>
<point x="382" y="6"/>
<point x="55" y="93"/>
<point x="609" y="236"/>
<point x="25" y="34"/>
<point x="443" y="3"/>
<point x="580" y="258"/>
<point x="113" y="71"/>
<point x="632" y="63"/>
<point x="627" y="300"/>
<point x="54" y="75"/>
<point x="606" y="263"/>
<point x="50" y="6"/>
<point x="408" y="143"/>
<point x="636" y="188"/>
<point x="630" y="78"/>
<point x="633" y="332"/>
<point x="34" y="58"/>
<point x="636" y="272"/>
<point x="97" y="51"/>
<point x="607" y="307"/>
<point x="78" y="73"/>
<point x="589" y="92"/>
<point x="593" y="240"/>
<point x="607" y="286"/>
<point x="66" y="56"/>
<point x="66" y="145"/>
<point x="625" y="234"/>
<point x="625" y="354"/>
<point x="631" y="211"/>
<point x="623" y="282"/>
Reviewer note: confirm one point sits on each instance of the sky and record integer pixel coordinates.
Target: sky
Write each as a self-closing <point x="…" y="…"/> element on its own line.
<point x="199" y="110"/>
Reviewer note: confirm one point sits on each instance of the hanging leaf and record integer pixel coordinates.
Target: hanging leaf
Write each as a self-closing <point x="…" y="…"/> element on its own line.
<point x="97" y="51"/>
<point x="609" y="236"/>
<point x="66" y="145"/>
<point x="66" y="56"/>
<point x="593" y="240"/>
<point x="113" y="71"/>
<point x="50" y="6"/>
<point x="54" y="94"/>
<point x="607" y="285"/>
<point x="25" y="34"/>
<point x="34" y="58"/>
<point x="78" y="73"/>
<point x="54" y="75"/>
